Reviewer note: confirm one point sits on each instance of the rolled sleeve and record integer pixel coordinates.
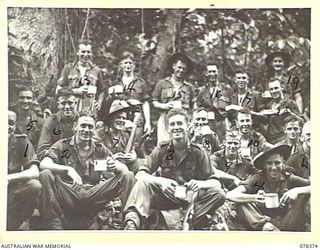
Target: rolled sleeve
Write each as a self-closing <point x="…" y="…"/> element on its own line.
<point x="156" y="94"/>
<point x="208" y="171"/>
<point x="152" y="162"/>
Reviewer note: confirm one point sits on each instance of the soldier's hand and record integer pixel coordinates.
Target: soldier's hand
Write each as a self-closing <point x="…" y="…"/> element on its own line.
<point x="77" y="181"/>
<point x="130" y="157"/>
<point x="119" y="167"/>
<point x="168" y="185"/>
<point x="81" y="90"/>
<point x="193" y="185"/>
<point x="288" y="196"/>
<point x="259" y="197"/>
<point x="147" y="128"/>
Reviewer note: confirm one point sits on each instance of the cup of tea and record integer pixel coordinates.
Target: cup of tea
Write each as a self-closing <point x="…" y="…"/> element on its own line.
<point x="180" y="192"/>
<point x="100" y="165"/>
<point x="271" y="200"/>
<point x="177" y="104"/>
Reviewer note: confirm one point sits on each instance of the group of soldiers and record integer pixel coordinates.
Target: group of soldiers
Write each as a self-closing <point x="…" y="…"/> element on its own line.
<point x="219" y="154"/>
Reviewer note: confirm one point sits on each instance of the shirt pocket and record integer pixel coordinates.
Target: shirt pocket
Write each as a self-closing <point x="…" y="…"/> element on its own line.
<point x="74" y="80"/>
<point x="92" y="78"/>
<point x="166" y="94"/>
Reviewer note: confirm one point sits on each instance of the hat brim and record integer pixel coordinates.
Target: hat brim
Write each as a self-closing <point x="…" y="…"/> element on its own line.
<point x="175" y="57"/>
<point x="286" y="57"/>
<point x="283" y="150"/>
<point x="109" y="116"/>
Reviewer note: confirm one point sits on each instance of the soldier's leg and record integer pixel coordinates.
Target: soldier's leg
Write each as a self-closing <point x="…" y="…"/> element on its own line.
<point x="119" y="185"/>
<point x="144" y="196"/>
<point x="22" y="200"/>
<point x="207" y="201"/>
<point x="251" y="216"/>
<point x="295" y="217"/>
<point x="56" y="198"/>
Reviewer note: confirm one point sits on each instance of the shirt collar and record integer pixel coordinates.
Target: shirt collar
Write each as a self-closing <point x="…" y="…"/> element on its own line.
<point x="170" y="145"/>
<point x="77" y="64"/>
<point x="74" y="144"/>
<point x="238" y="160"/>
<point x="168" y="79"/>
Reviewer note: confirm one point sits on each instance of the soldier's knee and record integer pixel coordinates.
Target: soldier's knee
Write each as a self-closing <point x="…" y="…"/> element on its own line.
<point x="217" y="193"/>
<point x="34" y="185"/>
<point x="46" y="175"/>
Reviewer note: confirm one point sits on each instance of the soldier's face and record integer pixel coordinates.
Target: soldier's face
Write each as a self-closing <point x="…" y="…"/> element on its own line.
<point x="277" y="63"/>
<point x="178" y="127"/>
<point x="244" y="122"/>
<point x="275" y="89"/>
<point x="119" y="121"/>
<point x="84" y="53"/>
<point x="212" y="73"/>
<point x="66" y="106"/>
<point x="12" y="119"/>
<point x="293" y="130"/>
<point x="127" y="65"/>
<point x="179" y="69"/>
<point x="84" y="128"/>
<point x="273" y="166"/>
<point x="232" y="145"/>
<point x="200" y="118"/>
<point x="242" y="80"/>
<point x="25" y="99"/>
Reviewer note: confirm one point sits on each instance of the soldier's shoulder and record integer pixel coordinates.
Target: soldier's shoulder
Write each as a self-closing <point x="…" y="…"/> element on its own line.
<point x="164" y="144"/>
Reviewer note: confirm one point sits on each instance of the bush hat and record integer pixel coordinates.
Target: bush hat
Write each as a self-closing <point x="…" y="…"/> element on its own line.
<point x="283" y="150"/>
<point x="284" y="55"/>
<point x="117" y="106"/>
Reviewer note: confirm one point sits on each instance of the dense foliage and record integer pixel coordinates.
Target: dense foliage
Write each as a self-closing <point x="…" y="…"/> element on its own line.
<point x="233" y="38"/>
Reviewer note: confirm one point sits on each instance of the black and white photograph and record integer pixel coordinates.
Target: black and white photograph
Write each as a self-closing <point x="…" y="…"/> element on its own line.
<point x="149" y="119"/>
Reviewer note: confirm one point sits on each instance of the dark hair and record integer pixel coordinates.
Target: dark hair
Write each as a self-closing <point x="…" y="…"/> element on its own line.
<point x="292" y="118"/>
<point x="178" y="111"/>
<point x="65" y="92"/>
<point x="242" y="71"/>
<point x="126" y="55"/>
<point x="181" y="59"/>
<point x="244" y="111"/>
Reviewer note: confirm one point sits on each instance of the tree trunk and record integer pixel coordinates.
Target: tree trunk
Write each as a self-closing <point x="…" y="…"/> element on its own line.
<point x="166" y="44"/>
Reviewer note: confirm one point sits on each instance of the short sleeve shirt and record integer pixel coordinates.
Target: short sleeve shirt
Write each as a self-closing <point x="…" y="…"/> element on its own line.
<point x="71" y="77"/>
<point x="53" y="130"/>
<point x="215" y="99"/>
<point x="115" y="144"/>
<point x="164" y="92"/>
<point x="276" y="122"/>
<point x="194" y="164"/>
<point x="251" y="100"/>
<point x="21" y="154"/>
<point x="137" y="89"/>
<point x="240" y="167"/>
<point x="65" y="152"/>
<point x="31" y="127"/>
<point x="299" y="164"/>
<point x="287" y="181"/>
